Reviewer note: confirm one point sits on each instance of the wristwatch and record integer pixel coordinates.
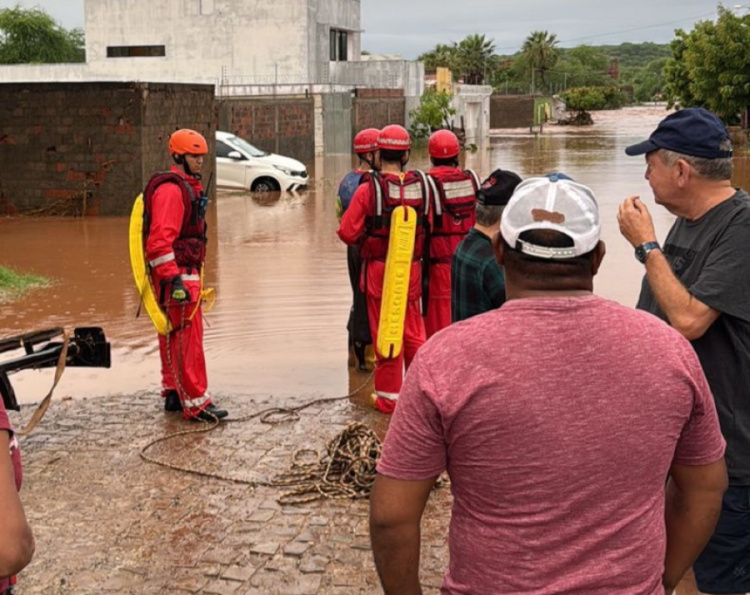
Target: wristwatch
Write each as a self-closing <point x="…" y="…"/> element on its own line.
<point x="641" y="252"/>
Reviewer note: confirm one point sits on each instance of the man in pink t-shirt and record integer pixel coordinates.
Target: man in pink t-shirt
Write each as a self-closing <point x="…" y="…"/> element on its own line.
<point x="16" y="540"/>
<point x="580" y="436"/>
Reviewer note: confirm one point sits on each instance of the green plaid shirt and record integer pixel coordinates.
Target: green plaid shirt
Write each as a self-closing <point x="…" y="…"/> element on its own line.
<point x="477" y="280"/>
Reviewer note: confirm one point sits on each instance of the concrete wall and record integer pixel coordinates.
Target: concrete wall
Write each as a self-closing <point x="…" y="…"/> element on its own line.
<point x="284" y="125"/>
<point x="210" y="40"/>
<point x="511" y="111"/>
<point x="72" y="147"/>
<point x="324" y="16"/>
<point x="337" y="117"/>
<point x="472" y="104"/>
<point x="260" y="38"/>
<point x="381" y="74"/>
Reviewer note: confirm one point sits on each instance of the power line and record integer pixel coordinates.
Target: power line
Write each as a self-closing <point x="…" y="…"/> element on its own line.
<point x="689" y="19"/>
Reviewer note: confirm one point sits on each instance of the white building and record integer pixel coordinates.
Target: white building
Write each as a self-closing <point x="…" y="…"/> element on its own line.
<point x="255" y="42"/>
<point x="244" y="47"/>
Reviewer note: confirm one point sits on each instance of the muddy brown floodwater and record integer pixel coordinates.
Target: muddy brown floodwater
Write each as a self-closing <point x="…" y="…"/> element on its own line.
<point x="106" y="522"/>
<point x="278" y="327"/>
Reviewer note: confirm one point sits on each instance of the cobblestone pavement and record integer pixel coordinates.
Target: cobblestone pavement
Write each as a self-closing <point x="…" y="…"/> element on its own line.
<point x="105" y="521"/>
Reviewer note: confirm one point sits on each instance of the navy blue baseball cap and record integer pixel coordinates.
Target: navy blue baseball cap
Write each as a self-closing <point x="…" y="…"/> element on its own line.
<point x="497" y="189"/>
<point x="691" y="131"/>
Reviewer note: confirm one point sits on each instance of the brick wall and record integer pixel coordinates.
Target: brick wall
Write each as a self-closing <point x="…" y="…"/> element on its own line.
<point x="284" y="125"/>
<point x="375" y="108"/>
<point x="168" y="107"/>
<point x="511" y="111"/>
<point x="88" y="148"/>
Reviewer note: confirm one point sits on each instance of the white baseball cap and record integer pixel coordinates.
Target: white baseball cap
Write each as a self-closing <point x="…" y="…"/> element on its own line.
<point x="557" y="203"/>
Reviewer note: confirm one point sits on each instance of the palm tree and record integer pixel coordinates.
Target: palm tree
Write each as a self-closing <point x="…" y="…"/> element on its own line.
<point x="474" y="58"/>
<point x="540" y="53"/>
<point x="442" y="55"/>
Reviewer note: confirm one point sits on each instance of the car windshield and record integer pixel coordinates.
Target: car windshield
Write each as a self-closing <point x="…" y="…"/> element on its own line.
<point x="247" y="147"/>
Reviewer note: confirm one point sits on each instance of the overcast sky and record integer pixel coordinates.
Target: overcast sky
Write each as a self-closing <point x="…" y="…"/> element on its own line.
<point x="410" y="27"/>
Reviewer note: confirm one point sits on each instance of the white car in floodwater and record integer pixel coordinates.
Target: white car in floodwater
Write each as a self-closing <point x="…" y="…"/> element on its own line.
<point x="241" y="165"/>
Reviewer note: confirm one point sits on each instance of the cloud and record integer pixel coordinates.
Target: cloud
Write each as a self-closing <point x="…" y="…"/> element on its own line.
<point x="412" y="27"/>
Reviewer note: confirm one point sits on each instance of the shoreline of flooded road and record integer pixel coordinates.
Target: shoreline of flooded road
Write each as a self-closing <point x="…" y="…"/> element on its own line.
<point x="278" y="326"/>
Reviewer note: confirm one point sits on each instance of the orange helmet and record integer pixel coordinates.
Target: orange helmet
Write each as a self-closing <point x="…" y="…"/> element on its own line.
<point x="366" y="140"/>
<point x="443" y="144"/>
<point x="394" y="138"/>
<point x="187" y="142"/>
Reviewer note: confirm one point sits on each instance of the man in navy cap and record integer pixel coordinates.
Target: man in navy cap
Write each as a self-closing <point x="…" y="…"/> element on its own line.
<point x="699" y="282"/>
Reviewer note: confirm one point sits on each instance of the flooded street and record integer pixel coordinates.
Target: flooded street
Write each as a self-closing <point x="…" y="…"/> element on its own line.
<point x="278" y="327"/>
<point x="105" y="521"/>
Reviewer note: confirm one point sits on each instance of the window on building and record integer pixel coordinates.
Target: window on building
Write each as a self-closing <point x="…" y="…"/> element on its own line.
<point x="135" y="51"/>
<point x="338" y="43"/>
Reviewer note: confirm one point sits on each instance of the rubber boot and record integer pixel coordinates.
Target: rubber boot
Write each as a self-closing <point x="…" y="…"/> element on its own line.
<point x="360" y="352"/>
<point x="210" y="413"/>
<point x="172" y="400"/>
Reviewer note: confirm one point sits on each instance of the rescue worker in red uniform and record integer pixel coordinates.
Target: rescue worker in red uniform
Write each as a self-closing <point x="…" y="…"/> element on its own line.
<point x="16" y="538"/>
<point x="175" y="245"/>
<point x="367" y="223"/>
<point x="452" y="215"/>
<point x="360" y="341"/>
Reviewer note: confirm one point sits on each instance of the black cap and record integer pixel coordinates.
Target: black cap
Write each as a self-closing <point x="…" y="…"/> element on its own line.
<point x="497" y="189"/>
<point x="692" y="131"/>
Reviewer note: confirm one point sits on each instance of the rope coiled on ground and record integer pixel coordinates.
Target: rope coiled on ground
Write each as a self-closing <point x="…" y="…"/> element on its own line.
<point x="346" y="470"/>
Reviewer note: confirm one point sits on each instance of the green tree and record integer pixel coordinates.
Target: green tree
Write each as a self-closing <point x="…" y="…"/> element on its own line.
<point x="647" y="82"/>
<point x="433" y="113"/>
<point x="592" y="98"/>
<point x="638" y="55"/>
<point x="32" y="36"/>
<point x="474" y="58"/>
<point x="710" y="66"/>
<point x="581" y="66"/>
<point x="540" y="54"/>
<point x="442" y="55"/>
<point x="582" y="100"/>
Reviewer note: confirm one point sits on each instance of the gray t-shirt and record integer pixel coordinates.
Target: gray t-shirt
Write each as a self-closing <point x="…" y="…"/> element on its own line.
<point x="711" y="257"/>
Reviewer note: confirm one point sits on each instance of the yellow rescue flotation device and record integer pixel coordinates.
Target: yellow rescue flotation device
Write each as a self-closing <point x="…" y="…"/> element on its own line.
<point x="140" y="271"/>
<point x="396" y="281"/>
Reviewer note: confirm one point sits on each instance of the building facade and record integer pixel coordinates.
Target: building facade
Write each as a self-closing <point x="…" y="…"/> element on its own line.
<point x="236" y="42"/>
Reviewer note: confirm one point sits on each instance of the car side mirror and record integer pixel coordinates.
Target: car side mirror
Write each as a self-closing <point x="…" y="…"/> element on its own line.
<point x="236" y="155"/>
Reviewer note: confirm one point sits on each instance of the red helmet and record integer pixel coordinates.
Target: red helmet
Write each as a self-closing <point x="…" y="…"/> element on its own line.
<point x="443" y="144"/>
<point x="394" y="138"/>
<point x="366" y="140"/>
<point x="187" y="142"/>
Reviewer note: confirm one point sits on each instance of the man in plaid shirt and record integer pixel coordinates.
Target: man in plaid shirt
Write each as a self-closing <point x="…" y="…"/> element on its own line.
<point x="477" y="280"/>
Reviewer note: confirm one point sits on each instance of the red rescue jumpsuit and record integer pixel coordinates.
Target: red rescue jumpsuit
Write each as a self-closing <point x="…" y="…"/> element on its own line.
<point x="183" y="364"/>
<point x="444" y="239"/>
<point x="388" y="372"/>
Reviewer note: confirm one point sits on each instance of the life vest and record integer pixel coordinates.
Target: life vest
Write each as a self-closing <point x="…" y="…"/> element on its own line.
<point x="389" y="192"/>
<point x="454" y="212"/>
<point x="190" y="246"/>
